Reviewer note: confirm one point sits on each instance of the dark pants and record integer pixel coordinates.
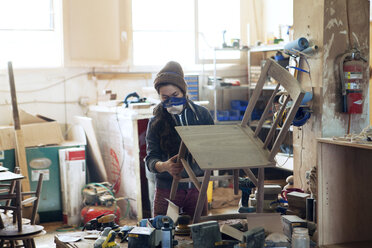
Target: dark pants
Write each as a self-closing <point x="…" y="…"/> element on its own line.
<point x="185" y="199"/>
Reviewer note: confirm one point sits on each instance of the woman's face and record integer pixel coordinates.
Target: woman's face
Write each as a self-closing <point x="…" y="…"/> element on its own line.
<point x="168" y="91"/>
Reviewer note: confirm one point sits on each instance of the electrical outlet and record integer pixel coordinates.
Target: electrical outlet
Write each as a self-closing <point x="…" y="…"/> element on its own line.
<point x="307" y="175"/>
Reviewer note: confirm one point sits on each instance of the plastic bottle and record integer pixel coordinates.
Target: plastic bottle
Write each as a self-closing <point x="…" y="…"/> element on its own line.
<point x="300" y="238"/>
<point x="166" y="236"/>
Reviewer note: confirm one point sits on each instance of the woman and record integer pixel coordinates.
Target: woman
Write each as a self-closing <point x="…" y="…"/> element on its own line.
<point x="163" y="141"/>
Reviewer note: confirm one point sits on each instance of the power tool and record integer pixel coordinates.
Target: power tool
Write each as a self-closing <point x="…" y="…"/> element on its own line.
<point x="101" y="222"/>
<point x="245" y="185"/>
<point x="123" y="233"/>
<point x="107" y="239"/>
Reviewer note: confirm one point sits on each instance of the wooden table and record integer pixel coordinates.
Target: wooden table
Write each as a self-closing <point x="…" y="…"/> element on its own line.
<point x="344" y="193"/>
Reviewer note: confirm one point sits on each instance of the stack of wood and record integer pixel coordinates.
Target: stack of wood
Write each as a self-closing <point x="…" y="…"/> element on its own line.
<point x="255" y="73"/>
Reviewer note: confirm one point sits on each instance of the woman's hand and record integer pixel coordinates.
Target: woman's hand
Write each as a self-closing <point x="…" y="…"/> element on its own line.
<point x="171" y="166"/>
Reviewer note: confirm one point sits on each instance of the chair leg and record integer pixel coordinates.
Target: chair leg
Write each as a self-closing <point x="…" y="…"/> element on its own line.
<point x="260" y="195"/>
<point x="36" y="203"/>
<point x="181" y="154"/>
<point x="202" y="196"/>
<point x="18" y="206"/>
<point x="32" y="241"/>
<point x="11" y="191"/>
<point x="236" y="182"/>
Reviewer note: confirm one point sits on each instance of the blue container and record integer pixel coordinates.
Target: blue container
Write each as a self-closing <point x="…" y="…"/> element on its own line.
<point x="222" y="115"/>
<point x="239" y="105"/>
<point x="234" y="114"/>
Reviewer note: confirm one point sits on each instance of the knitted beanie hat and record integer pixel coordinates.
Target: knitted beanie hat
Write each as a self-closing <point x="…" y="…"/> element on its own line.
<point x="171" y="73"/>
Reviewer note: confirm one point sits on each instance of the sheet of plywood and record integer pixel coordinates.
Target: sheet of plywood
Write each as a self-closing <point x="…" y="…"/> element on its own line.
<point x="98" y="168"/>
<point x="224" y="146"/>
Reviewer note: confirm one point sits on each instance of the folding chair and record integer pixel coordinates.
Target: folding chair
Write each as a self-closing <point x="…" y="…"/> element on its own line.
<point x="235" y="147"/>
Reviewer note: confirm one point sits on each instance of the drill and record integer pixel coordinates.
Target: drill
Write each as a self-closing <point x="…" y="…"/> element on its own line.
<point x="245" y="185"/>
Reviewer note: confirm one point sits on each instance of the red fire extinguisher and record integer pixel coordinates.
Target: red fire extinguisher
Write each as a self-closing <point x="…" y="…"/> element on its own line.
<point x="351" y="74"/>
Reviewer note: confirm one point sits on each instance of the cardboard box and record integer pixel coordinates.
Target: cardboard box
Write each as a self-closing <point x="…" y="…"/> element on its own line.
<point x="37" y="131"/>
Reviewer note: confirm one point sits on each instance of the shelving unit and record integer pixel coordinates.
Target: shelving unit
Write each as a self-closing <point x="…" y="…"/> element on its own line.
<point x="249" y="87"/>
<point x="215" y="86"/>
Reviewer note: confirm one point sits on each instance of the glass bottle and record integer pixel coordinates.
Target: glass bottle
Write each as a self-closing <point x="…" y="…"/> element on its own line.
<point x="300" y="238"/>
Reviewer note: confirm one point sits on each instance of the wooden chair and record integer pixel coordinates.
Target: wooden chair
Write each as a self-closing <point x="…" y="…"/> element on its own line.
<point x="16" y="229"/>
<point x="235" y="147"/>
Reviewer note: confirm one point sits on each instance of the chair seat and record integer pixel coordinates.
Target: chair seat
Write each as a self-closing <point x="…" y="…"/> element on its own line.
<point x="12" y="231"/>
<point x="224" y="146"/>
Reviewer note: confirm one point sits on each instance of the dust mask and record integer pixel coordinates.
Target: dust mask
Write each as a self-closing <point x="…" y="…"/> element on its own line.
<point x="175" y="110"/>
<point x="174" y="105"/>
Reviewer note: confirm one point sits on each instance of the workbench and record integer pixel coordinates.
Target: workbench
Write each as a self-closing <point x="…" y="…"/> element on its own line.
<point x="344" y="194"/>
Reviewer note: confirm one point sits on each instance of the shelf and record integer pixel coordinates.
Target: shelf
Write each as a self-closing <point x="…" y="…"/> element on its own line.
<point x="211" y="87"/>
<point x="266" y="48"/>
<point x="231" y="49"/>
<point x="252" y="87"/>
<point x="363" y="244"/>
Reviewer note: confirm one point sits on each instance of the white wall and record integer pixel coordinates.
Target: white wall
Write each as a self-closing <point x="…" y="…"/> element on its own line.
<point x="35" y="95"/>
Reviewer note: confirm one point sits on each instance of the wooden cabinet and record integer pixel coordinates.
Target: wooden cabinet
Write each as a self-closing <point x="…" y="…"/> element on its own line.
<point x="344" y="194"/>
<point x="96" y="32"/>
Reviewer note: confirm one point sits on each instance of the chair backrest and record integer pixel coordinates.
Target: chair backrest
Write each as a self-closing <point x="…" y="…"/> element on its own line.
<point x="295" y="93"/>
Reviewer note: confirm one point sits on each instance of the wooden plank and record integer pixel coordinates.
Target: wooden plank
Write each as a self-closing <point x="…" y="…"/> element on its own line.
<point x="95" y="153"/>
<point x="119" y="75"/>
<point x="202" y="197"/>
<point x="271" y="222"/>
<point x="297" y="99"/>
<point x="275" y="124"/>
<point x="232" y="232"/>
<point x="280" y="74"/>
<point x="190" y="173"/>
<point x="345" y="143"/>
<point x="224" y="147"/>
<point x="260" y="186"/>
<point x="181" y="154"/>
<point x="212" y="178"/>
<point x="20" y="146"/>
<point x="251" y="176"/>
<point x="256" y="94"/>
<point x="266" y="111"/>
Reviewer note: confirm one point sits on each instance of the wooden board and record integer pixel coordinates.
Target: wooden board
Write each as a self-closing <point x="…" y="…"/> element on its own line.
<point x="344" y="194"/>
<point x="367" y="244"/>
<point x="345" y="143"/>
<point x="20" y="145"/>
<point x="93" y="148"/>
<point x="224" y="147"/>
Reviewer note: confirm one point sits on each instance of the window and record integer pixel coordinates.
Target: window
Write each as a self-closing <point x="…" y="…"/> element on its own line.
<point x="182" y="30"/>
<point x="163" y="30"/>
<point x="30" y="33"/>
<point x="218" y="23"/>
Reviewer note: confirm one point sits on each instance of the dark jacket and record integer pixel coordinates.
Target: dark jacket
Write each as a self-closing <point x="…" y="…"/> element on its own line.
<point x="195" y="115"/>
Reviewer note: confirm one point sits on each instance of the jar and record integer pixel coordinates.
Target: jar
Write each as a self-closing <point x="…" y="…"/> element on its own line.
<point x="300" y="238"/>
